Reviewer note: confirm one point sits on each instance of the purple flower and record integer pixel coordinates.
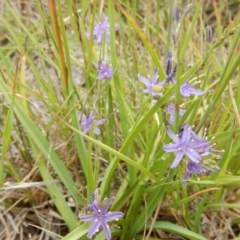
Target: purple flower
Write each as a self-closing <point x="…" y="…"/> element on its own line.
<point x="86" y="123"/>
<point x="195" y="168"/>
<point x="171" y="111"/>
<point x="183" y="146"/>
<point x="201" y="145"/>
<point x="104" y="71"/>
<point x="101" y="30"/>
<point x="168" y="70"/>
<point x="187" y="90"/>
<point x="152" y="84"/>
<point x="100" y="217"/>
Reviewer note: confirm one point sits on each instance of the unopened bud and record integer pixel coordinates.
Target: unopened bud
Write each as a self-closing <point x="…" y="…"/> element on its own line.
<point x="188" y="9"/>
<point x="174" y="39"/>
<point x="169" y="64"/>
<point x="176" y="14"/>
<point x="208" y="34"/>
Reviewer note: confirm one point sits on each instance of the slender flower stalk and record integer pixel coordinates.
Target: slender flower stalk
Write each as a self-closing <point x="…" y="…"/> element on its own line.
<point x="100" y="217"/>
<point x="86" y="123"/>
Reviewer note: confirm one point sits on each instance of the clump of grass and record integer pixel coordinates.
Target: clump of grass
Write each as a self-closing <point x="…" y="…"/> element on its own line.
<point x="63" y="63"/>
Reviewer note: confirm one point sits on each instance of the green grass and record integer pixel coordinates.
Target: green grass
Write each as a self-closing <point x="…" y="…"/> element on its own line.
<point x="48" y="75"/>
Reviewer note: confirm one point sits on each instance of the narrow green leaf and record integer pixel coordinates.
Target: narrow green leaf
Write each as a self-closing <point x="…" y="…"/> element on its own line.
<point x="174" y="228"/>
<point x="145" y="41"/>
<point x="78" y="232"/>
<point x="6" y="138"/>
<point x="41" y="142"/>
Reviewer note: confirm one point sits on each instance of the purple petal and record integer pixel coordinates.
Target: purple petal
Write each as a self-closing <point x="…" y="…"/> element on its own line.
<point x="144" y="80"/>
<point x="187" y="90"/>
<point x="186" y="136"/>
<point x="155" y="76"/>
<point x="171" y="120"/>
<point x="105" y="23"/>
<point x="177" y="159"/>
<point x="87" y="218"/>
<point x="172" y="136"/>
<point x="94" y="228"/>
<point x="171" y="147"/>
<point x="162" y="83"/>
<point x="101" y="121"/>
<point x="106" y="229"/>
<point x="192" y="91"/>
<point x="97" y="130"/>
<point x="193" y="155"/>
<point x="101" y="76"/>
<point x="181" y="111"/>
<point x="147" y="91"/>
<point x="99" y="38"/>
<point x="91" y="116"/>
<point x="96" y="208"/>
<point x="186" y="177"/>
<point x="198" y="144"/>
<point x="195" y="136"/>
<point x="86" y="130"/>
<point x="106" y="207"/>
<point x="108" y="36"/>
<point x="113" y="215"/>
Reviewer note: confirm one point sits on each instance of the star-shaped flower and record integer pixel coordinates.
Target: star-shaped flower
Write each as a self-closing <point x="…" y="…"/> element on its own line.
<point x="183" y="146"/>
<point x="86" y="123"/>
<point x="101" y="30"/>
<point x="153" y="85"/>
<point x="187" y="90"/>
<point x="104" y="71"/>
<point x="100" y="217"/>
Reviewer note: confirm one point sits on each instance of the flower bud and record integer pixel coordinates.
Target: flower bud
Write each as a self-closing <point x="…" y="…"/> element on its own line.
<point x="208" y="34"/>
<point x="188" y="9"/>
<point x="176" y="14"/>
<point x="169" y="64"/>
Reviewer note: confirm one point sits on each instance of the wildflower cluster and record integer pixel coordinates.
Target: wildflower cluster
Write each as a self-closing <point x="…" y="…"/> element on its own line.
<point x="101" y="31"/>
<point x="187" y="145"/>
